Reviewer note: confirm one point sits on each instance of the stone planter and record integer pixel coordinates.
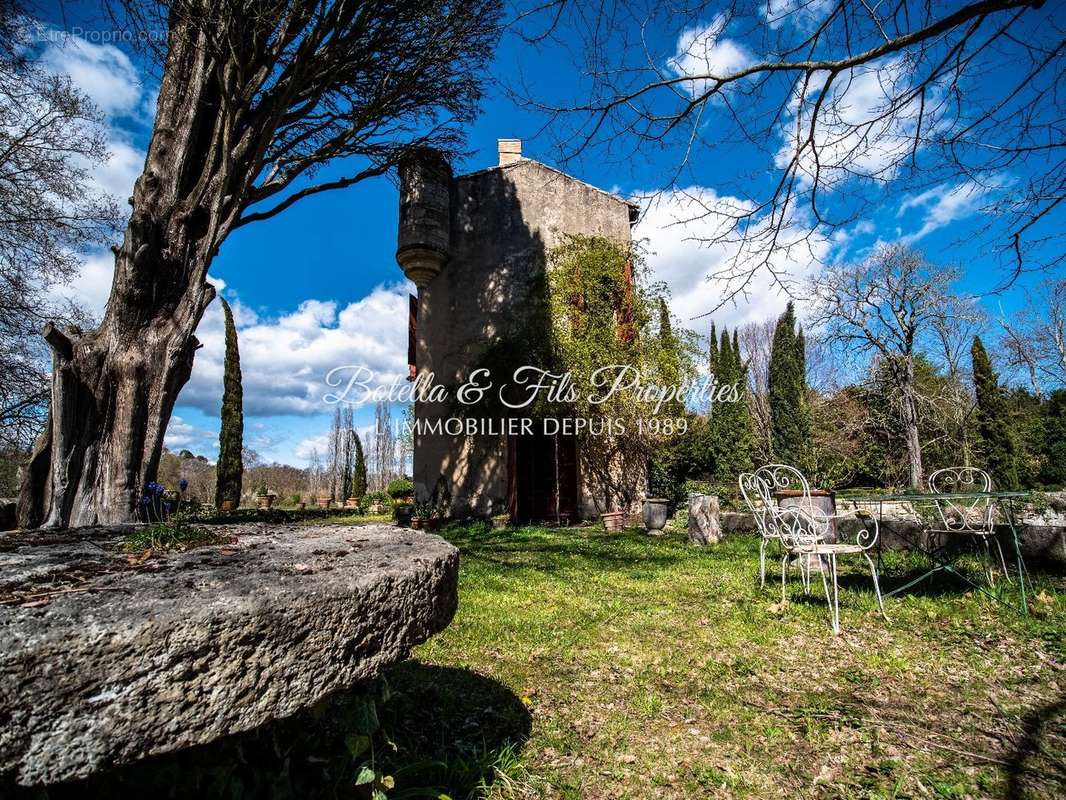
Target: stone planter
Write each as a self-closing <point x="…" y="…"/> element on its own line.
<point x="613" y="520"/>
<point x="404" y="514"/>
<point x="264" y="500"/>
<point x="501" y="521"/>
<point x="323" y="502"/>
<point x="654" y="514"/>
<point x="301" y="506"/>
<point x="377" y="508"/>
<point x="229" y="505"/>
<point x="351" y="502"/>
<point x="822" y="499"/>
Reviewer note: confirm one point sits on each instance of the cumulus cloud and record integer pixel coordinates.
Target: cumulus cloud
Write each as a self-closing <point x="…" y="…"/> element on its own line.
<point x="857" y="133"/>
<point x="110" y="79"/>
<point x="181" y="435"/>
<point x="284" y="360"/>
<point x="702" y="50"/>
<point x="680" y="227"/>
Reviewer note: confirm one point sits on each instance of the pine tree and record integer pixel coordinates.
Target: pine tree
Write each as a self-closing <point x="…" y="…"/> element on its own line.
<point x="790" y="429"/>
<point x="230" y="468"/>
<point x="995" y="442"/>
<point x="731" y="434"/>
<point x="358" y="470"/>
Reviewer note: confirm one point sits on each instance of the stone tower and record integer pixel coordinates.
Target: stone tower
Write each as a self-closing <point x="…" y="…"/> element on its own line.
<point x="476" y="246"/>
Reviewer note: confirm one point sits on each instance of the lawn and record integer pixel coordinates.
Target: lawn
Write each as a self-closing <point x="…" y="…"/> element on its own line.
<point x="590" y="665"/>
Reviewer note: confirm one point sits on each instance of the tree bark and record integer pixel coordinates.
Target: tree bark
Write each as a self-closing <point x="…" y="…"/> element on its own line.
<point x="113" y="389"/>
<point x="910" y="427"/>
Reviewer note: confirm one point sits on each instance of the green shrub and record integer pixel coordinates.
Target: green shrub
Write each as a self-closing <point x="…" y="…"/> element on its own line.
<point x="400" y="487"/>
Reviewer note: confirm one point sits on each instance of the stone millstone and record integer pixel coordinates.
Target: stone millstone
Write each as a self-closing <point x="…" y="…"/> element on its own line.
<point x="104" y="662"/>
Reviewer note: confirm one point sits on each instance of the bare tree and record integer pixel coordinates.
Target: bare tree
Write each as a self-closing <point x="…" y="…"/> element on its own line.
<point x="254" y="99"/>
<point x="829" y="94"/>
<point x="1035" y="341"/>
<point x="891" y="307"/>
<point x="50" y="139"/>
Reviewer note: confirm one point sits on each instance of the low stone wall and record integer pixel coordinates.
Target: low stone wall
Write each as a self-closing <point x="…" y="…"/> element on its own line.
<point x="1039" y="541"/>
<point x="105" y="660"/>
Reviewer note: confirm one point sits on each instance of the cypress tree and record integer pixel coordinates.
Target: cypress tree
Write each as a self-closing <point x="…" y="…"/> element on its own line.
<point x="358" y="470"/>
<point x="789" y="422"/>
<point x="230" y="468"/>
<point x="995" y="444"/>
<point x="731" y="432"/>
<point x="1053" y="450"/>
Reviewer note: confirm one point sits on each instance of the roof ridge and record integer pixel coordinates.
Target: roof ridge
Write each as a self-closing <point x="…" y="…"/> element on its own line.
<point x="525" y="160"/>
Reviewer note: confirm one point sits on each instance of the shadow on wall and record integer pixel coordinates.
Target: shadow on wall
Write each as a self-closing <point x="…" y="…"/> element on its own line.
<point x="451" y="729"/>
<point x="474" y="313"/>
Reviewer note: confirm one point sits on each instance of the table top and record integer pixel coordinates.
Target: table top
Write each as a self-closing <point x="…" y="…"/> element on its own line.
<point x="910" y="498"/>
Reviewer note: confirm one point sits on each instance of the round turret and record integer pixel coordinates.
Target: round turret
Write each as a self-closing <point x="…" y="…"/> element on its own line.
<point x="425" y="229"/>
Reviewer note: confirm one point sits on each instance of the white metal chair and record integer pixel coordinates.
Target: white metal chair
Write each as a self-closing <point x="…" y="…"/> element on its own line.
<point x="758" y="489"/>
<point x="968" y="516"/>
<point x="802" y="529"/>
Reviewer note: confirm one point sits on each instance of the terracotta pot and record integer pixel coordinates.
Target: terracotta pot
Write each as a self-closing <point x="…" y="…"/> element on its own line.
<point x="655" y="513"/>
<point x="323" y="502"/>
<point x="301" y="506"/>
<point x="377" y="508"/>
<point x="418" y="523"/>
<point x="351" y="502"/>
<point x="264" y="500"/>
<point x="229" y="505"/>
<point x="613" y="520"/>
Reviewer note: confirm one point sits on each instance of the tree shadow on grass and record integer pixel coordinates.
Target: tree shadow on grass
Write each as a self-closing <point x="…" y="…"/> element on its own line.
<point x="452" y="730"/>
<point x="435" y="730"/>
<point x="1037" y="766"/>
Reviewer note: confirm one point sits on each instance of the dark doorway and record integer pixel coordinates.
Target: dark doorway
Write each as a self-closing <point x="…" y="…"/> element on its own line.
<point x="542" y="478"/>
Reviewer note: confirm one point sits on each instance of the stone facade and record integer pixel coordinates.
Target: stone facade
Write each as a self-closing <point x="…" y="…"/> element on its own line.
<point x="502" y="222"/>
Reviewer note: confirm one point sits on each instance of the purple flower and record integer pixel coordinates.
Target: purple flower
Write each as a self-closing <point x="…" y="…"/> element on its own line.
<point x="183" y="484"/>
<point x="145" y="500"/>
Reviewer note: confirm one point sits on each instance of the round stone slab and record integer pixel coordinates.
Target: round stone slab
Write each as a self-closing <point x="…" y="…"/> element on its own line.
<point x="106" y="658"/>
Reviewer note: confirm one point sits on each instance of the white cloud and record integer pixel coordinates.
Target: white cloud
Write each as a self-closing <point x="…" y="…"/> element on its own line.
<point x="857" y="132"/>
<point x="284" y="361"/>
<point x="92" y="286"/>
<point x="102" y="71"/>
<point x="802" y="14"/>
<point x="112" y="82"/>
<point x="181" y="435"/>
<point x="943" y="205"/>
<point x="701" y="50"/>
<point x="680" y="227"/>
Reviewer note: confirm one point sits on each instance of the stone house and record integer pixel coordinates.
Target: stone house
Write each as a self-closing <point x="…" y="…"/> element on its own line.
<point x="476" y="246"/>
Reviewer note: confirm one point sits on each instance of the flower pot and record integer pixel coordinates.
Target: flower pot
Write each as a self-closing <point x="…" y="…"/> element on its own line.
<point x="501" y="521"/>
<point x="418" y="523"/>
<point x="264" y="500"/>
<point x="404" y="513"/>
<point x="229" y="505"/>
<point x="351" y="502"/>
<point x="323" y="502"/>
<point x="301" y="506"/>
<point x="613" y="520"/>
<point x="377" y="508"/>
<point x="654" y="514"/>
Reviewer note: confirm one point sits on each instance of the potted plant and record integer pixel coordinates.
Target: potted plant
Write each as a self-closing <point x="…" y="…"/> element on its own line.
<point x="263" y="498"/>
<point x="613" y="520"/>
<point x="323" y="499"/>
<point x="422" y="511"/>
<point x="654" y="514"/>
<point x="229" y="505"/>
<point x="352" y="502"/>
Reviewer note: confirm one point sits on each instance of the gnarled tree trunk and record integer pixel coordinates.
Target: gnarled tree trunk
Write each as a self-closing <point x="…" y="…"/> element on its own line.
<point x="113" y="389"/>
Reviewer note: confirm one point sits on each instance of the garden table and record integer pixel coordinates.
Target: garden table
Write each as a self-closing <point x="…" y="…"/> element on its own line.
<point x="941" y="558"/>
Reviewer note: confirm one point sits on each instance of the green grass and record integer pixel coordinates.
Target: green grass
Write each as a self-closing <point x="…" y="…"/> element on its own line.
<point x="622" y="665"/>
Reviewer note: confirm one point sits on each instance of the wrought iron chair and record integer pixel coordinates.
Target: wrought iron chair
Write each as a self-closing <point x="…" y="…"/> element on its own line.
<point x="802" y="530"/>
<point x="758" y="489"/>
<point x="968" y="516"/>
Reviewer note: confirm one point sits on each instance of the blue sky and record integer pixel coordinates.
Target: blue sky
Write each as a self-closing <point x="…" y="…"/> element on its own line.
<point x="318" y="286"/>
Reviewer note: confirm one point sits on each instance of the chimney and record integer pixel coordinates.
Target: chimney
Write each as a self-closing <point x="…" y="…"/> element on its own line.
<point x="510" y="151"/>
